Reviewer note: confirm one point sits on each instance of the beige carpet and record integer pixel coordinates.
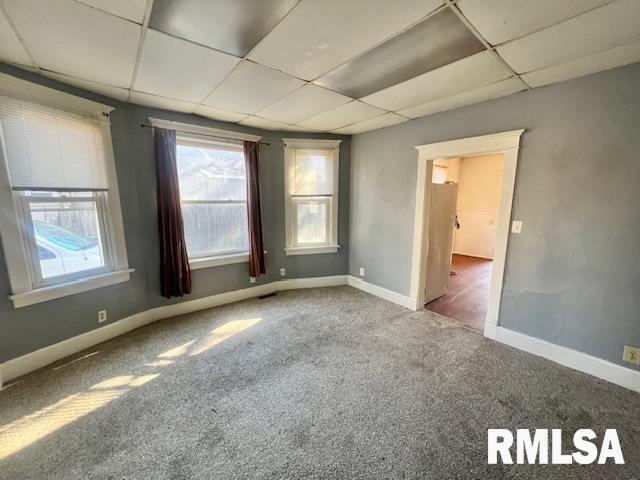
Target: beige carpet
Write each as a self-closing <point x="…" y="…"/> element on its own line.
<point x="322" y="383"/>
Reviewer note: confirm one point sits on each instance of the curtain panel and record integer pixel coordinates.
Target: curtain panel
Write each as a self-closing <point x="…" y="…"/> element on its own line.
<point x="254" y="211"/>
<point x="175" y="275"/>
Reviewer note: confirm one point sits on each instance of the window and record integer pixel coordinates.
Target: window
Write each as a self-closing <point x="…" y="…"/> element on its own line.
<point x="311" y="184"/>
<point x="214" y="198"/>
<point x="65" y="225"/>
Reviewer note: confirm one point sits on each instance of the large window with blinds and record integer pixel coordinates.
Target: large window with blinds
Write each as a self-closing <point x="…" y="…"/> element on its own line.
<point x="57" y="174"/>
<point x="311" y="196"/>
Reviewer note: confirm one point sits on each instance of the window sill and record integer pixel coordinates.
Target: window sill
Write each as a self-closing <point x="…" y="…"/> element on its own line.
<point x="310" y="250"/>
<point x="206" y="262"/>
<point x="64" y="289"/>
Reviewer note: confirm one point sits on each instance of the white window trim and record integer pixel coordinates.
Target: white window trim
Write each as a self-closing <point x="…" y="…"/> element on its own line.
<point x="290" y="147"/>
<point x="191" y="133"/>
<point x="23" y="293"/>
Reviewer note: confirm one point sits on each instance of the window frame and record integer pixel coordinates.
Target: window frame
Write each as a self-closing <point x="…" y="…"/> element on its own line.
<point x="332" y="148"/>
<point x="14" y="229"/>
<point x="212" y="259"/>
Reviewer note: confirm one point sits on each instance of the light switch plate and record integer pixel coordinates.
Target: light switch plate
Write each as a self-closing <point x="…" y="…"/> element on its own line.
<point x="516" y="226"/>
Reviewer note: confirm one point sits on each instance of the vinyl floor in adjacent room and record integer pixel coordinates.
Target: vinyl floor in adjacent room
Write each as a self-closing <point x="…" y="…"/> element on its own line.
<point x="319" y="383"/>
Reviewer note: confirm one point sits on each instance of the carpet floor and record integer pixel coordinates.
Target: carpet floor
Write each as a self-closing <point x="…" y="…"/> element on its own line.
<point x="320" y="383"/>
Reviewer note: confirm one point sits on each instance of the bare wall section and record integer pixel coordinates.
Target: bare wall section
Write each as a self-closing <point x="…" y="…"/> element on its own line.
<point x="573" y="275"/>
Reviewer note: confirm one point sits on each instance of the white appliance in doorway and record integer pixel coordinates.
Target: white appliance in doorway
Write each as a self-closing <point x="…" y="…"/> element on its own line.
<point x="442" y="219"/>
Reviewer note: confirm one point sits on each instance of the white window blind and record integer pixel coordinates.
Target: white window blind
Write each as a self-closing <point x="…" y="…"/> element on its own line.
<point x="51" y="149"/>
<point x="313" y="173"/>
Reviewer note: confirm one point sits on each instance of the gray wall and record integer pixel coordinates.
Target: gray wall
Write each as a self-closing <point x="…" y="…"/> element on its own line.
<point x="26" y="329"/>
<point x="573" y="275"/>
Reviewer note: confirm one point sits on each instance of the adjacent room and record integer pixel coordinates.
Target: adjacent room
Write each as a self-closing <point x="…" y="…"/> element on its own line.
<point x="319" y="239"/>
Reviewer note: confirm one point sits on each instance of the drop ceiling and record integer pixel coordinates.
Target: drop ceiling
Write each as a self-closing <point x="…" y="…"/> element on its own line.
<point x="308" y="65"/>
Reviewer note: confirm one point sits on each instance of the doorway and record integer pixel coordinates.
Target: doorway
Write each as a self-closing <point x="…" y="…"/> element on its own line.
<point x="465" y="202"/>
<point x="506" y="144"/>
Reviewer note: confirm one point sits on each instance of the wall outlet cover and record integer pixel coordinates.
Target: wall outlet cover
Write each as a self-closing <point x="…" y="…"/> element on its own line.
<point x="516" y="226"/>
<point x="283" y="272"/>
<point x="362" y="271"/>
<point x="252" y="279"/>
<point x="102" y="316"/>
<point x="631" y="354"/>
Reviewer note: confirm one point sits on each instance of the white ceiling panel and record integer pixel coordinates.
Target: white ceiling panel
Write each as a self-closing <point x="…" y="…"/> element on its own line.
<point x="488" y="92"/>
<point x="616" y="57"/>
<point x="382" y="121"/>
<point x="161" y="102"/>
<point x="502" y="20"/>
<point x="258" y="122"/>
<point x="77" y="40"/>
<point x="251" y="87"/>
<point x="130" y="9"/>
<point x="615" y="24"/>
<point x="175" y="68"/>
<point x="302" y="104"/>
<point x="317" y="36"/>
<point x="219" y="114"/>
<point x="347" y="114"/>
<point x="11" y="50"/>
<point x="460" y="76"/>
<point x="121" y="94"/>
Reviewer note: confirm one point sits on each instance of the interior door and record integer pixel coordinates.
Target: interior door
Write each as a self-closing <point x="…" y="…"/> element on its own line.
<point x="441" y="227"/>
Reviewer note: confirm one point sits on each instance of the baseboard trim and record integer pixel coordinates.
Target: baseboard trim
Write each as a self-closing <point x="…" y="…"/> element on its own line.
<point x="603" y="369"/>
<point x="381" y="292"/>
<point x="30" y="362"/>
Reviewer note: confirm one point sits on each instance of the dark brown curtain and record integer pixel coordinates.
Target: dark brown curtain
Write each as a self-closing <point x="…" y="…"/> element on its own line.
<point x="254" y="212"/>
<point x="175" y="275"/>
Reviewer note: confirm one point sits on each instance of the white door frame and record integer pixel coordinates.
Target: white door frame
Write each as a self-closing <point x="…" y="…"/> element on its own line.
<point x="505" y="143"/>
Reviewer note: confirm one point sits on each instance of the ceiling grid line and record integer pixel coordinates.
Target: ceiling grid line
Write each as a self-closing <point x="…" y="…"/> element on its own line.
<point x="6" y="15"/>
<point x="484" y="41"/>
<point x="143" y="36"/>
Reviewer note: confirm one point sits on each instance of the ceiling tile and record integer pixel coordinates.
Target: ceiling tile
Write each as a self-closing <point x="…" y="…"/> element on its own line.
<point x="155" y="101"/>
<point x="251" y="87"/>
<point x="318" y="36"/>
<point x="467" y="74"/>
<point x="175" y="68"/>
<point x="616" y="57"/>
<point x="11" y="50"/>
<point x="346" y="114"/>
<point x="233" y="26"/>
<point x="130" y="9"/>
<point x="258" y="122"/>
<point x="219" y="114"/>
<point x="606" y="27"/>
<point x="437" y="41"/>
<point x="382" y="121"/>
<point x="302" y="104"/>
<point x="77" y="40"/>
<point x="295" y="128"/>
<point x="121" y="94"/>
<point x="502" y="20"/>
<point x="488" y="92"/>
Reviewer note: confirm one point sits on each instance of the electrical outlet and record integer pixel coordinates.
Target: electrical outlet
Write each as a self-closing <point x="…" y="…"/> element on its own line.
<point x="102" y="316"/>
<point x="252" y="279"/>
<point x="362" y="271"/>
<point x="516" y="226"/>
<point x="631" y="354"/>
<point x="283" y="272"/>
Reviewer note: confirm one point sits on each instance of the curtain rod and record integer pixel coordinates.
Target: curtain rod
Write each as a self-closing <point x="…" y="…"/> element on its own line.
<point x="144" y="125"/>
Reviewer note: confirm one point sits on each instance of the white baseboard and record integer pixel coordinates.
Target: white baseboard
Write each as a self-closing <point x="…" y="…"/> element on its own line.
<point x="388" y="295"/>
<point x="625" y="377"/>
<point x="19" y="366"/>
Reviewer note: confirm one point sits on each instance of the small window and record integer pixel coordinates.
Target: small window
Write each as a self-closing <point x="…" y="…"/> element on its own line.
<point x="311" y="196"/>
<point x="213" y="194"/>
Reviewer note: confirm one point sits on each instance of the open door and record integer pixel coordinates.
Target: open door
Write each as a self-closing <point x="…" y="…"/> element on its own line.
<point x="442" y="219"/>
